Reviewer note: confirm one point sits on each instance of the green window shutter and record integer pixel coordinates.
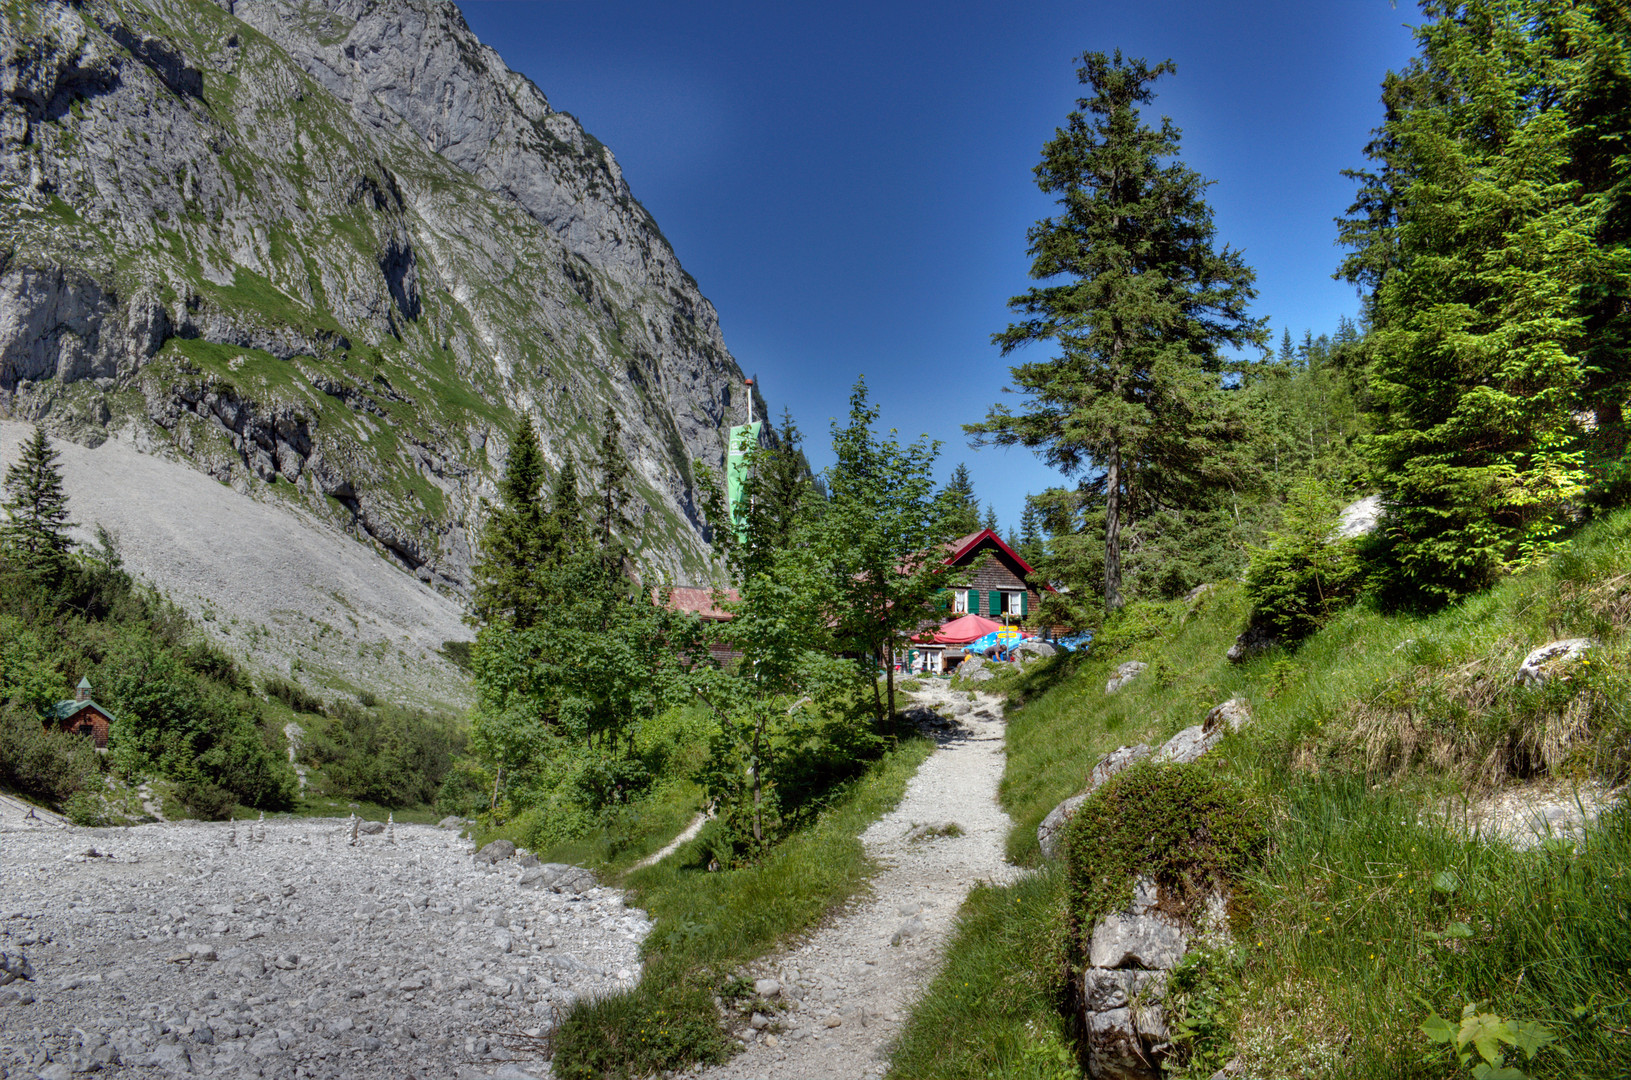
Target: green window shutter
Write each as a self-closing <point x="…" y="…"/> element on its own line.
<point x="973" y="604"/>
<point x="996" y="602"/>
<point x="1024" y="603"/>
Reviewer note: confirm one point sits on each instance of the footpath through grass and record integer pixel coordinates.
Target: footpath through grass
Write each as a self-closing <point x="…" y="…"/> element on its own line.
<point x="708" y="924"/>
<point x="1368" y="915"/>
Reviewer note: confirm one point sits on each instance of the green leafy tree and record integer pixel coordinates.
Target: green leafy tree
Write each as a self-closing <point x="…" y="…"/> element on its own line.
<point x="1484" y="258"/>
<point x="35" y="536"/>
<point x="880" y="538"/>
<point x="1140" y="305"/>
<point x="781" y="691"/>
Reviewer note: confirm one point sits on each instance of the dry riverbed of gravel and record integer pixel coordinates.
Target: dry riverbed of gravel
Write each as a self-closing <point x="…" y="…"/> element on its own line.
<point x="283" y="950"/>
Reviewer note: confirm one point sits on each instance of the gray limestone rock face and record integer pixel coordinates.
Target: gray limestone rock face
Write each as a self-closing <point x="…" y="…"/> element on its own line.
<point x="1360" y="518"/>
<point x="1125" y="674"/>
<point x="1538" y="667"/>
<point x="235" y="198"/>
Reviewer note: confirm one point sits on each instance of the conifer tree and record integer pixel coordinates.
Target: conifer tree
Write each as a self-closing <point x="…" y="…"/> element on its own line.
<point x="517" y="540"/>
<point x="1489" y="264"/>
<point x="613" y="525"/>
<point x="963" y="515"/>
<point x="1030" y="533"/>
<point x="1139" y="304"/>
<point x="35" y="535"/>
<point x="990" y="519"/>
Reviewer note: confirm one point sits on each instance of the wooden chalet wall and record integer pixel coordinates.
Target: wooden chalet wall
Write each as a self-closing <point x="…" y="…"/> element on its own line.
<point x="995" y="570"/>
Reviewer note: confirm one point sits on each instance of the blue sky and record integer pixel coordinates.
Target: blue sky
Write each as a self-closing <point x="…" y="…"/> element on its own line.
<point x="850" y="183"/>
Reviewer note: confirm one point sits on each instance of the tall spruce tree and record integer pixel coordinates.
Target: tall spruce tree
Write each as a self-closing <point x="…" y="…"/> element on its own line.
<point x="614" y="523"/>
<point x="35" y="535"/>
<point x="963" y="513"/>
<point x="1140" y="305"/>
<point x="517" y="542"/>
<point x="1495" y="275"/>
<point x="1030" y="532"/>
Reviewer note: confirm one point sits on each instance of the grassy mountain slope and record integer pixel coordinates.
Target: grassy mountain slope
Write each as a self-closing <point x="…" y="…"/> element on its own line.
<point x="331" y="252"/>
<point x="1377" y="744"/>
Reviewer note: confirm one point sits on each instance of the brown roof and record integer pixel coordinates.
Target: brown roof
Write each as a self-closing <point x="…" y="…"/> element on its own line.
<point x="700" y="601"/>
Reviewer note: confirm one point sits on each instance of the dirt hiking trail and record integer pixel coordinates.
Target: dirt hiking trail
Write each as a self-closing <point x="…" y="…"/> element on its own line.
<point x="844" y="991"/>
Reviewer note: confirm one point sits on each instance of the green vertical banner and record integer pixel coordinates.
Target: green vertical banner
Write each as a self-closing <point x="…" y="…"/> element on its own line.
<point x="744" y="437"/>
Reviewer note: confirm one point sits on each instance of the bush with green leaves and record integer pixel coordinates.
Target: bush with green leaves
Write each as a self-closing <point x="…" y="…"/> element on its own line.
<point x="46" y="765"/>
<point x="388" y="755"/>
<point x="1305" y="574"/>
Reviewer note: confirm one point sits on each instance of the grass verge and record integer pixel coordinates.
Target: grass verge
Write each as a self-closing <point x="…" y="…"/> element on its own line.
<point x="709" y="924"/>
<point x="994" y="1008"/>
<point x="1367" y="916"/>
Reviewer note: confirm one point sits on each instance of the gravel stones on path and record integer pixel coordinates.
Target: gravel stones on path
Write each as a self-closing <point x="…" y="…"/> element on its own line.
<point x="832" y="1005"/>
<point x="195" y="949"/>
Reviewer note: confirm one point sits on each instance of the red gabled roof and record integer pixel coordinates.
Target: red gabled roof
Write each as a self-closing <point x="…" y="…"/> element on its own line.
<point x="700" y="601"/>
<point x="963" y="547"/>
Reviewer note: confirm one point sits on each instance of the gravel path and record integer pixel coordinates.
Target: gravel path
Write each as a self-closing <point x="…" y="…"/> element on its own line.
<point x="281" y="950"/>
<point x="268" y="581"/>
<point x="841" y="994"/>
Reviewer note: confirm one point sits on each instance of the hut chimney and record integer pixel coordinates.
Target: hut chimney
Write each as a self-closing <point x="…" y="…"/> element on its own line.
<point x="83" y="691"/>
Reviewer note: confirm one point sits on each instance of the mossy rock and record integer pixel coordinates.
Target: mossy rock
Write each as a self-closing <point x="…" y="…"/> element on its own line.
<point x="1190" y="830"/>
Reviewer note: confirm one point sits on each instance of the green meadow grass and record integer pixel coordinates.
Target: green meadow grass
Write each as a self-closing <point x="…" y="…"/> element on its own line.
<point x="1362" y="734"/>
<point x="710" y="923"/>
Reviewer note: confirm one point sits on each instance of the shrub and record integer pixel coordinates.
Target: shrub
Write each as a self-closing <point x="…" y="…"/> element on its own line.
<point x="43" y="764"/>
<point x="389" y="755"/>
<point x="1182" y="825"/>
<point x="85" y="810"/>
<point x="293" y="696"/>
<point x="1305" y="575"/>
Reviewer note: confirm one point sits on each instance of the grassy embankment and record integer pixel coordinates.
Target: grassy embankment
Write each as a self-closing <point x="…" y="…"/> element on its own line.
<point x="712" y="916"/>
<point x="710" y="923"/>
<point x="1370" y="912"/>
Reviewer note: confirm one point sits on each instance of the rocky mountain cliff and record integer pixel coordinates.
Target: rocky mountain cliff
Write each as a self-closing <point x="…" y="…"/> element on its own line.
<point x="329" y="251"/>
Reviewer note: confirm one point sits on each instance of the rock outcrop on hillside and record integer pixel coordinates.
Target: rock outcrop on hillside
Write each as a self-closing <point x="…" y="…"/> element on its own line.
<point x="336" y="245"/>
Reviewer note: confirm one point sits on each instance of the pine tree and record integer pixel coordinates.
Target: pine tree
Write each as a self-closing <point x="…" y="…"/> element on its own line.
<point x="1478" y="244"/>
<point x="517" y="541"/>
<point x="613" y="525"/>
<point x="1030" y="533"/>
<point x="990" y="519"/>
<point x="963" y="515"/>
<point x="1141" y="310"/>
<point x="35" y="536"/>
